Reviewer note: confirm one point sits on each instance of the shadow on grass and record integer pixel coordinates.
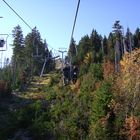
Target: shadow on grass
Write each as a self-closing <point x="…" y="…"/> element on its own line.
<point x="17" y="115"/>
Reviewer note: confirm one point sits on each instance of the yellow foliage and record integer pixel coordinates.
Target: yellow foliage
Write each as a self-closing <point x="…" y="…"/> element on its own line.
<point x="45" y="81"/>
<point x="88" y="58"/>
<point x="127" y="83"/>
<point x="130" y="70"/>
<point x="75" y="87"/>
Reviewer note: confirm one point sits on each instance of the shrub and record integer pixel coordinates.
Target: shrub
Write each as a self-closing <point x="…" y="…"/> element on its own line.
<point x="97" y="71"/>
<point x="5" y="88"/>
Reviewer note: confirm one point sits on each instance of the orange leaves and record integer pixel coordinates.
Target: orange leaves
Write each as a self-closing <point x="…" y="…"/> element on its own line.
<point x="108" y="68"/>
<point x="132" y="125"/>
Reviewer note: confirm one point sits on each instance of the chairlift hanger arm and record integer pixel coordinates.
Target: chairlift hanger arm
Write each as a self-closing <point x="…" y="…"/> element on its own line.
<point x="55" y="57"/>
<point x="62" y="51"/>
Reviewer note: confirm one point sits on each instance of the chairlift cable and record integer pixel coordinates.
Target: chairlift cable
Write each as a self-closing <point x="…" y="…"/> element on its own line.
<point x="22" y="19"/>
<point x="17" y="14"/>
<point x="78" y="5"/>
<point x="73" y="28"/>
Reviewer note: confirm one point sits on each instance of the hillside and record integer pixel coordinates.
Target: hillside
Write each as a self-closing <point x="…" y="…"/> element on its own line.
<point x="95" y="97"/>
<point x="93" y="107"/>
<point x="18" y="102"/>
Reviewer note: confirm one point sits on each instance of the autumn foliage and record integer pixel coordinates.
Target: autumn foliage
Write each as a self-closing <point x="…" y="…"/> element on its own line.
<point x="127" y="94"/>
<point x="108" y="68"/>
<point x="132" y="125"/>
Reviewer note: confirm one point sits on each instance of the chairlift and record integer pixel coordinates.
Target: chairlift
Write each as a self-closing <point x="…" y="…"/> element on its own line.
<point x="47" y="58"/>
<point x="70" y="73"/>
<point x="3" y="42"/>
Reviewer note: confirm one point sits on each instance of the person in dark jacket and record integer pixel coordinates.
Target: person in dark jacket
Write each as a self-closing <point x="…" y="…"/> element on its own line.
<point x="66" y="74"/>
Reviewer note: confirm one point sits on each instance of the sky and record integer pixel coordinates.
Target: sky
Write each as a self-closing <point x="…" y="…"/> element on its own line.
<point x="54" y="19"/>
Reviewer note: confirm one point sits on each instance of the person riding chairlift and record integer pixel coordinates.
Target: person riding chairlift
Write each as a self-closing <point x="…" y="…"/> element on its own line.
<point x="66" y="74"/>
<point x="70" y="74"/>
<point x="74" y="74"/>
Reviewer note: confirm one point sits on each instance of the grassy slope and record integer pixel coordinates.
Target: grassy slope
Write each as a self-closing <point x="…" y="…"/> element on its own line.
<point x="38" y="90"/>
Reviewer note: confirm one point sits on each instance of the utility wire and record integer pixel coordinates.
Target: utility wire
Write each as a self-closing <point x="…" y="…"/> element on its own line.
<point x="30" y="26"/>
<point x="74" y="21"/>
<point x="17" y="14"/>
<point x="23" y="19"/>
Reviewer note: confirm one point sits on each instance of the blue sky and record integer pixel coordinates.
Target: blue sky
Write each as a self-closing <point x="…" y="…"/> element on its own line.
<point x="54" y="18"/>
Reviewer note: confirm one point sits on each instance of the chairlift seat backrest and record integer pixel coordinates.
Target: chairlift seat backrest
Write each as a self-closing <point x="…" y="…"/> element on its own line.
<point x="2" y="42"/>
<point x="37" y="56"/>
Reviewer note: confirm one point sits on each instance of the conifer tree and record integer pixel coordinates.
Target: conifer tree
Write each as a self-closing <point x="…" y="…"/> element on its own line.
<point x="137" y="38"/>
<point x="96" y="46"/>
<point x="129" y="42"/>
<point x="18" y="59"/>
<point x="35" y="51"/>
<point x="118" y="48"/>
<point x="72" y="53"/>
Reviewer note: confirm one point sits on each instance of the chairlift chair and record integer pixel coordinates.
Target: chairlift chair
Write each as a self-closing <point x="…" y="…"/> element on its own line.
<point x="3" y="42"/>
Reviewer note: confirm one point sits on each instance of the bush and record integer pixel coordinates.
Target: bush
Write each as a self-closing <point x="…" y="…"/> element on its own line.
<point x="5" y="88"/>
<point x="97" y="71"/>
<point x="102" y="121"/>
<point x="83" y="69"/>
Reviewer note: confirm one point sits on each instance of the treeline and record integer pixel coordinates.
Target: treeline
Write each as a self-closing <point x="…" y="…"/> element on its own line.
<point x="94" y="48"/>
<point x="29" y="55"/>
<point x="109" y="84"/>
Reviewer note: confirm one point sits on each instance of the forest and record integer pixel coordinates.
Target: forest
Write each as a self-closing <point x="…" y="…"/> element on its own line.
<point x="103" y="104"/>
